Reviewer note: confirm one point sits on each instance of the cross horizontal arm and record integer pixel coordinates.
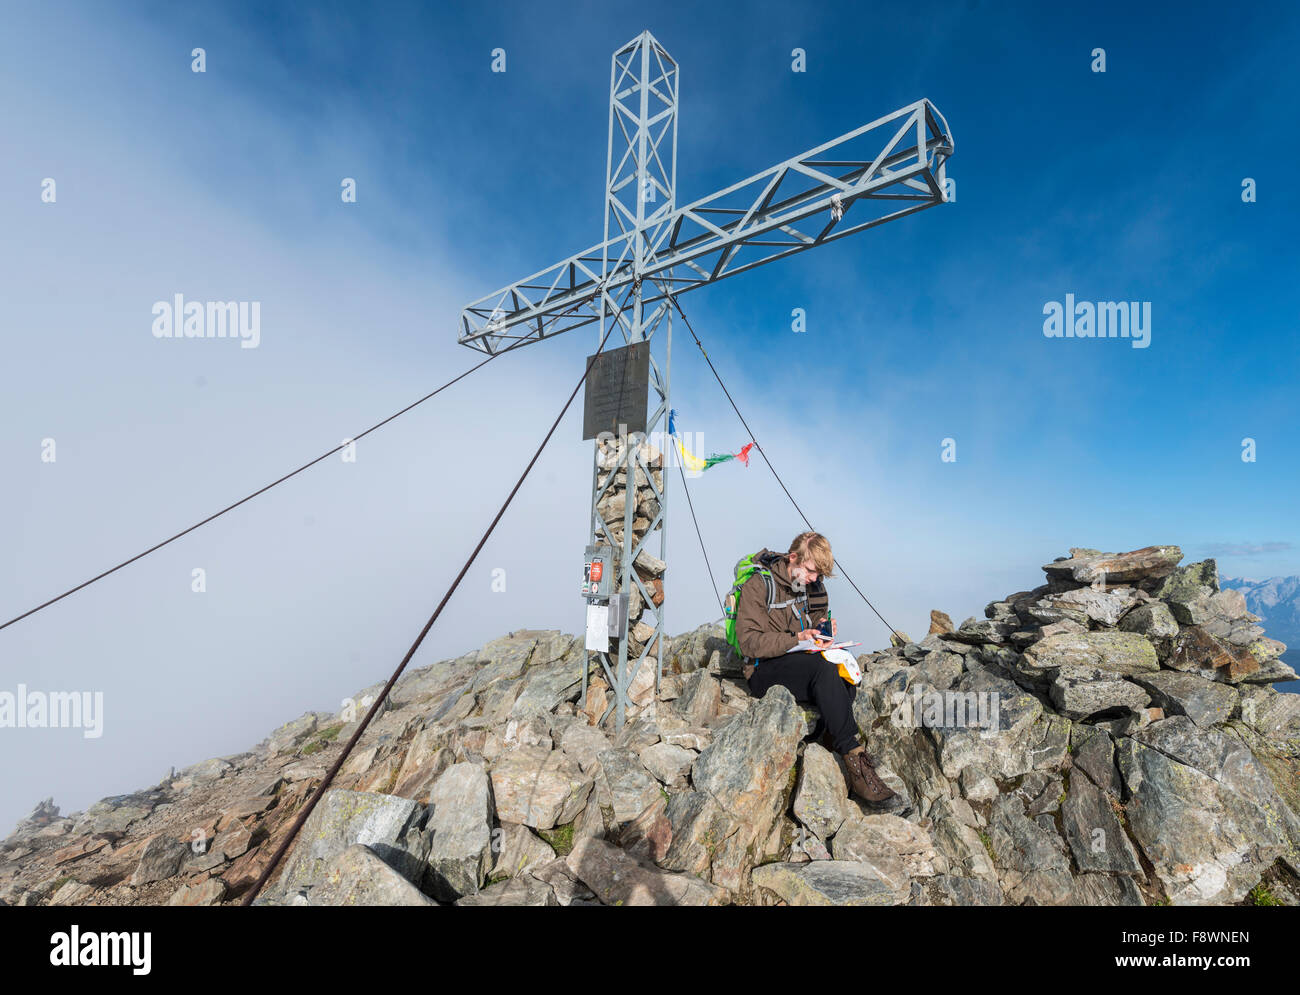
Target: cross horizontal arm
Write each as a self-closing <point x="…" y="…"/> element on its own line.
<point x="887" y="169"/>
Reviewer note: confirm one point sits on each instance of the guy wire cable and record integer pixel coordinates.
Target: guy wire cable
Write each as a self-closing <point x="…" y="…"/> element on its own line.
<point x="379" y="699"/>
<point x="263" y="490"/>
<point x="712" y="583"/>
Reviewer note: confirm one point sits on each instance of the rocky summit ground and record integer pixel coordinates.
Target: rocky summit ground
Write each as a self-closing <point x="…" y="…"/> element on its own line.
<point x="1107" y="738"/>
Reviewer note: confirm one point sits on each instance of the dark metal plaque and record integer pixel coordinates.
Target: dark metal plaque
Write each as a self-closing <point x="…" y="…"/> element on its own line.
<point x="618" y="388"/>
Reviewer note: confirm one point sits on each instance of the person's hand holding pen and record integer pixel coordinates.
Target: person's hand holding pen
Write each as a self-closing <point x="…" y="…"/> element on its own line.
<point x="830" y="622"/>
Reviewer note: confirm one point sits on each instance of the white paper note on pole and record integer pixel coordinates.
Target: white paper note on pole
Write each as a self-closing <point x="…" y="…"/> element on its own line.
<point x="598" y="628"/>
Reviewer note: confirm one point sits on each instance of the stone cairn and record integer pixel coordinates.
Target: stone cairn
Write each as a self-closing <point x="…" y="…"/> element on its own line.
<point x="612" y="508"/>
<point x="1110" y="737"/>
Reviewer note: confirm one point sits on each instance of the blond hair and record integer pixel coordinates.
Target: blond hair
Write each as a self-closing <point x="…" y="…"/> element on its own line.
<point x="814" y="546"/>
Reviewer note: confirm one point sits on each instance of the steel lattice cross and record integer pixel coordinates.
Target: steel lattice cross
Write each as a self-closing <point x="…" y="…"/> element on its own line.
<point x="884" y="170"/>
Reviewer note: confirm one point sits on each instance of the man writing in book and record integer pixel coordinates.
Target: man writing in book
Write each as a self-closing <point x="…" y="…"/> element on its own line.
<point x="768" y="639"/>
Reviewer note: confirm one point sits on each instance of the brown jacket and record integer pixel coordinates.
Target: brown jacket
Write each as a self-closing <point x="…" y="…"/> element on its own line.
<point x="764" y="634"/>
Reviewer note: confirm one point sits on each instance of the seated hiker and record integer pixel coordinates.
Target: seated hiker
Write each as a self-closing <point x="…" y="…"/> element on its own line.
<point x="781" y="603"/>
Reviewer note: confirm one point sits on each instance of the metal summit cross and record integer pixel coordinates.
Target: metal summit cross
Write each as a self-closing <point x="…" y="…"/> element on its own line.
<point x="884" y="170"/>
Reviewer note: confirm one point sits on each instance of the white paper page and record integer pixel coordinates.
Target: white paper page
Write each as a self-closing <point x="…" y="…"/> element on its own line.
<point x="598" y="628"/>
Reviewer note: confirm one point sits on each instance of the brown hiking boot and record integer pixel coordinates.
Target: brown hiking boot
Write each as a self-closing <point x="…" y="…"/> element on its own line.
<point x="863" y="779"/>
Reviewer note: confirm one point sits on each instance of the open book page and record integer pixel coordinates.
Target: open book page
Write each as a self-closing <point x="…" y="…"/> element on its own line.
<point x="808" y="646"/>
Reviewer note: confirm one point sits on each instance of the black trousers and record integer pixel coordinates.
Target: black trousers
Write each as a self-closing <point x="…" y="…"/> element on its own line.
<point x="812" y="678"/>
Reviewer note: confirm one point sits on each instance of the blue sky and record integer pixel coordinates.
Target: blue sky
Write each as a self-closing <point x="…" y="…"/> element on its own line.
<point x="1123" y="185"/>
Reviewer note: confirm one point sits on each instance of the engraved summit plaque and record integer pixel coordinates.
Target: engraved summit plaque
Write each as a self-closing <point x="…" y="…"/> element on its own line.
<point x="618" y="387"/>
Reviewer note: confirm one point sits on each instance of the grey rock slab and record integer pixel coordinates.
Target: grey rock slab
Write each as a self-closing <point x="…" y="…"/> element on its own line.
<point x="1089" y="566"/>
<point x="531" y="730"/>
<point x="518" y="850"/>
<point x="624" y="784"/>
<point x="977" y="785"/>
<point x="1024" y="737"/>
<point x="964" y="850"/>
<point x="584" y="743"/>
<point x="1041" y="792"/>
<point x="1124" y="653"/>
<point x="905" y="759"/>
<point x="545" y="687"/>
<point x="1190" y="581"/>
<point x="703" y="648"/>
<point x="459" y="832"/>
<point x="1031" y="862"/>
<point x="495" y="704"/>
<point x="668" y="763"/>
<point x="1079" y="692"/>
<point x="207" y="770"/>
<point x="700" y="698"/>
<point x="208" y="892"/>
<point x="1083" y="606"/>
<point x="1208" y="846"/>
<point x="700" y="826"/>
<point x="1245" y="784"/>
<point x="359" y="876"/>
<point x="940" y="670"/>
<point x="820" y="794"/>
<point x="647" y="837"/>
<point x="950" y="890"/>
<point x="539" y="788"/>
<point x="1238" y="632"/>
<point x="1153" y="620"/>
<point x="641" y="731"/>
<point x="115" y="820"/>
<point x="1094" y="833"/>
<point x="748" y="765"/>
<point x="513" y="649"/>
<point x="523" y="890"/>
<point x="388" y="825"/>
<point x="568" y="889"/>
<point x="828" y="882"/>
<point x="1205" y="702"/>
<point x="1208" y="750"/>
<point x="508" y="667"/>
<point x="900" y="849"/>
<point x="289" y="735"/>
<point x="955" y="808"/>
<point x="1094" y="754"/>
<point x="617" y="879"/>
<point x="162" y="858"/>
<point x="1274" y="716"/>
<point x="591" y="820"/>
<point x="980" y="631"/>
<point x="1106" y="889"/>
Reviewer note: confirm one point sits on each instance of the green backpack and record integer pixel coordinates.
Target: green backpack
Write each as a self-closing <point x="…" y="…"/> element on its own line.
<point x="745" y="568"/>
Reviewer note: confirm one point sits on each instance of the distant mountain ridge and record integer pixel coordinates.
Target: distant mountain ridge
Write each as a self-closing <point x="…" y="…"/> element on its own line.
<point x="1277" y="602"/>
<point x="1269" y="594"/>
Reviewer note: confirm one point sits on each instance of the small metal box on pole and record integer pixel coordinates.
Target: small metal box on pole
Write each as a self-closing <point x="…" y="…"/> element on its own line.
<point x="606" y="610"/>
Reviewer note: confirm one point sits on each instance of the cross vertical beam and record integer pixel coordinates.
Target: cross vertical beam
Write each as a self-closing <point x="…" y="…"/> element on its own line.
<point x="640" y="188"/>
